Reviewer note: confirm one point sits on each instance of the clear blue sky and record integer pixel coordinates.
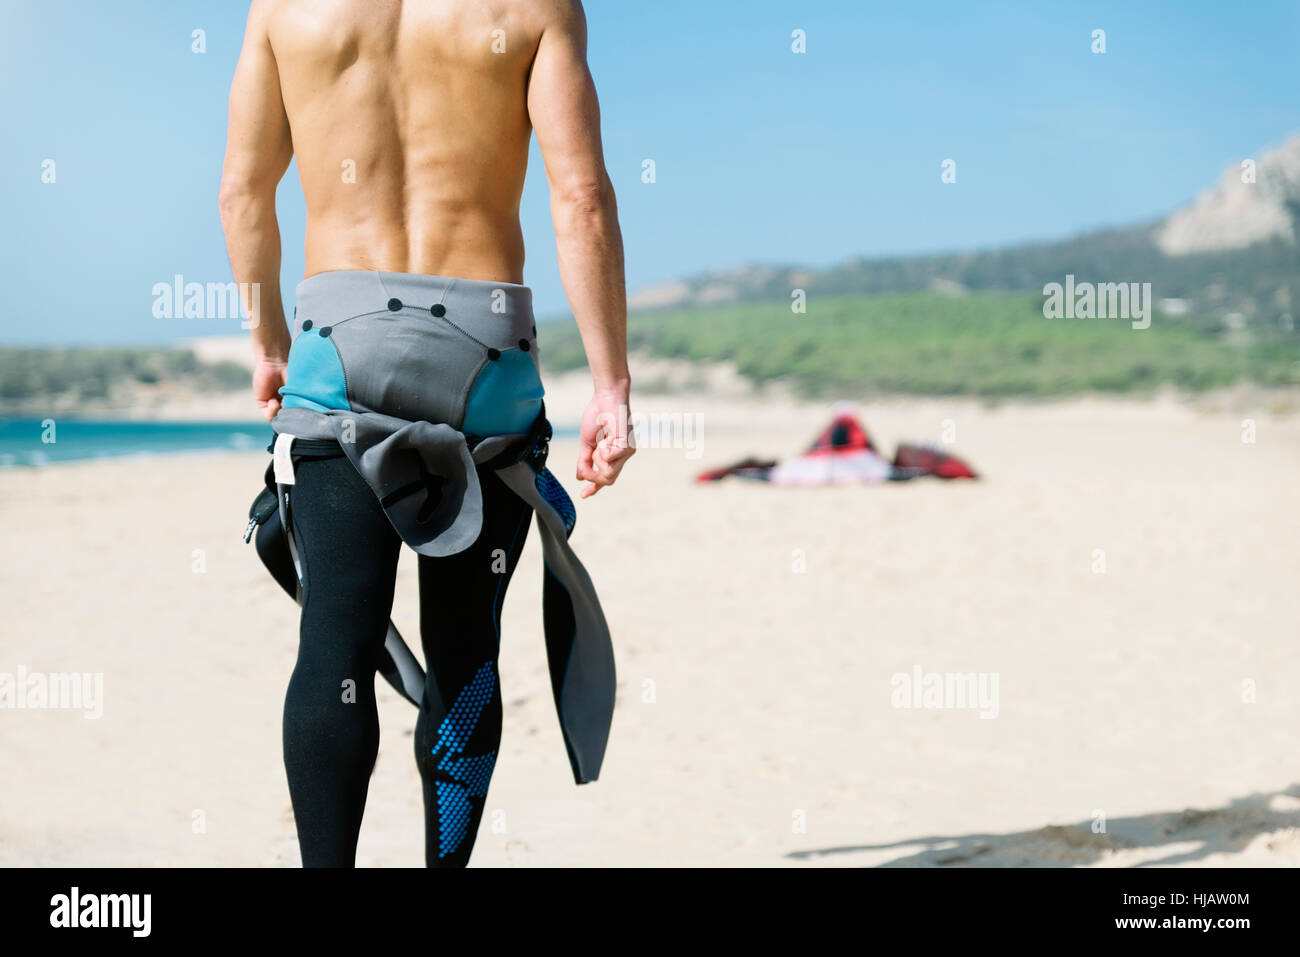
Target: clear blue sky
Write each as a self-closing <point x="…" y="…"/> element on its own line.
<point x="763" y="156"/>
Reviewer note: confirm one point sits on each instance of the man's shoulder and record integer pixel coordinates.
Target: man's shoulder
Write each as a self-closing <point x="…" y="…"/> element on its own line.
<point x="562" y="13"/>
<point x="261" y="9"/>
<point x="541" y="13"/>
<point x="262" y="12"/>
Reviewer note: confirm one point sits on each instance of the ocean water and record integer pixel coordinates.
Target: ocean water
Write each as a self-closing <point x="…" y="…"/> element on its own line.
<point x="27" y="442"/>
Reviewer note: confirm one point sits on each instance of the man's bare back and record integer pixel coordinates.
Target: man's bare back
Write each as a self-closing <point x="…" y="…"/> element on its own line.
<point x="410" y="124"/>
<point x="410" y="121"/>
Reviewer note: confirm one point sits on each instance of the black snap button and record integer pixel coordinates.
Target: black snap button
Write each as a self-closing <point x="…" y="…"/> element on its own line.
<point x="394" y="305"/>
<point x="494" y="354"/>
<point x="306" y="325"/>
<point x="523" y="344"/>
<point x="439" y="310"/>
<point x="325" y="331"/>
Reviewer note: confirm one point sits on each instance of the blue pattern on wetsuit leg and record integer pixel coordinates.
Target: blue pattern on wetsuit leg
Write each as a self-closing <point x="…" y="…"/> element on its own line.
<point x="550" y="489"/>
<point x="469" y="773"/>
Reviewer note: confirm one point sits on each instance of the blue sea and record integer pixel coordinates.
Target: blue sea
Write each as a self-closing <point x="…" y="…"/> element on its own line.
<point x="29" y="442"/>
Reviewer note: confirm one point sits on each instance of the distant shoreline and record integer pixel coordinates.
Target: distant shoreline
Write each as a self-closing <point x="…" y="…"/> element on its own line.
<point x="29" y="442"/>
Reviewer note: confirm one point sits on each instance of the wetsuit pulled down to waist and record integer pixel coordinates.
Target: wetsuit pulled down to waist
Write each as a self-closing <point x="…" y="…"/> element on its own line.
<point x="428" y="348"/>
<point x="418" y="378"/>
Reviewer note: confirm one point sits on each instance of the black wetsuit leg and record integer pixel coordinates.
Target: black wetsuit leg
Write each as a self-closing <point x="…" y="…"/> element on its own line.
<point x="458" y="731"/>
<point x="349" y="552"/>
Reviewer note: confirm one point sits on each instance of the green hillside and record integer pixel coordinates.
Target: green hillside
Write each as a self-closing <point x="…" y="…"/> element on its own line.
<point x="985" y="344"/>
<point x="1261" y="281"/>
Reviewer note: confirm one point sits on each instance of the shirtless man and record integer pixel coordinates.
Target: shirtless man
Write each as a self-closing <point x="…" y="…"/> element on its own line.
<point x="411" y="121"/>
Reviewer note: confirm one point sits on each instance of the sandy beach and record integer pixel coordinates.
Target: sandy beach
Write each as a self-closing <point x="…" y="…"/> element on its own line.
<point x="1126" y="570"/>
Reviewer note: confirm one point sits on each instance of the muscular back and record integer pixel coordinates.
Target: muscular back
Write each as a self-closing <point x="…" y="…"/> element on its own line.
<point x="409" y="121"/>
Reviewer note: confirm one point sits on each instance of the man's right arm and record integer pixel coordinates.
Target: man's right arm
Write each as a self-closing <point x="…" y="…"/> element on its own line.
<point x="259" y="147"/>
<point x="566" y="117"/>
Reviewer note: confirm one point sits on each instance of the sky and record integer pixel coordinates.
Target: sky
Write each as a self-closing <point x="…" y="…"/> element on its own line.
<point x="762" y="155"/>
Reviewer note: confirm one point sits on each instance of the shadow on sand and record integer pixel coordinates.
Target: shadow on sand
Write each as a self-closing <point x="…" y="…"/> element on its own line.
<point x="1161" y="839"/>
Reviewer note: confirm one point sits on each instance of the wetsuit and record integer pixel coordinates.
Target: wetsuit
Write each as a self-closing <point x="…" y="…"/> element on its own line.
<point x="349" y="553"/>
<point x="408" y="405"/>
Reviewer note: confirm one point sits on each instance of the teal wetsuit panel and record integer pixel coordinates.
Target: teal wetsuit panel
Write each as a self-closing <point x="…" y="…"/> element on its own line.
<point x="506" y="396"/>
<point x="314" y="379"/>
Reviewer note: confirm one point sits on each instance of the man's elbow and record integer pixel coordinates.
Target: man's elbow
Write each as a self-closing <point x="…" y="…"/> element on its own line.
<point x="587" y="197"/>
<point x="239" y="199"/>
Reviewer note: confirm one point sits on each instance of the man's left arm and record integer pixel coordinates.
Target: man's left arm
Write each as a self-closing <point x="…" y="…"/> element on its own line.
<point x="258" y="150"/>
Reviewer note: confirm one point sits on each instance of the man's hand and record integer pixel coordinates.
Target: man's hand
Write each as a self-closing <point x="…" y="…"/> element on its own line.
<point x="268" y="376"/>
<point x="607" y="441"/>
